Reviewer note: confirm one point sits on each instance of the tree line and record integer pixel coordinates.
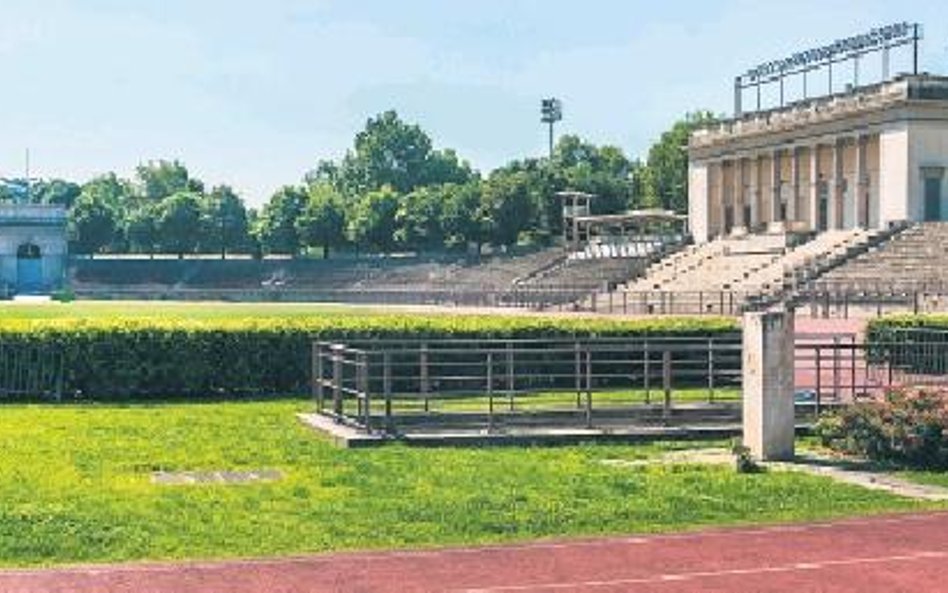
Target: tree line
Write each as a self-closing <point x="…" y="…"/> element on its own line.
<point x="392" y="191"/>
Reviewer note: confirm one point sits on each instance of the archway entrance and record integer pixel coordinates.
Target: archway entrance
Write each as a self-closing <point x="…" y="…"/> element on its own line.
<point x="29" y="269"/>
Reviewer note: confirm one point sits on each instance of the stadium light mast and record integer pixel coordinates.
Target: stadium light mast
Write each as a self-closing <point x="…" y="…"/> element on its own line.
<point x="551" y="111"/>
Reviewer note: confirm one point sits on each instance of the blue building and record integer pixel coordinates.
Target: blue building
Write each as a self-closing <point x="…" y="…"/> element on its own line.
<point x="33" y="248"/>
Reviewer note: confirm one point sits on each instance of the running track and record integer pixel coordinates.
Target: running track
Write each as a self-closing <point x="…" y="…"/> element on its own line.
<point x="879" y="555"/>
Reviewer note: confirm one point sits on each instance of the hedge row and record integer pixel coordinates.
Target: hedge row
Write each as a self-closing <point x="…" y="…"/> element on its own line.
<point x="161" y="358"/>
<point x="913" y="343"/>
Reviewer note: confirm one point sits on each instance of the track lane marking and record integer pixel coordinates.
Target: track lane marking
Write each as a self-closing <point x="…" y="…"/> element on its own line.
<point x="321" y="559"/>
<point x="690" y="576"/>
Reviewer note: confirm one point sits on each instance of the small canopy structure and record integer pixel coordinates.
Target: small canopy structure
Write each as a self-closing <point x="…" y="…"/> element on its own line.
<point x="580" y="225"/>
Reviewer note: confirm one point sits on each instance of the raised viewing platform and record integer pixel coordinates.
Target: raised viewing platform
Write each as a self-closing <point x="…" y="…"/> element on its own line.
<point x="806" y="113"/>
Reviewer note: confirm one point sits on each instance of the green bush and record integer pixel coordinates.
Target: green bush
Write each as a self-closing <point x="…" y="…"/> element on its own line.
<point x="911" y="343"/>
<point x="908" y="426"/>
<point x="161" y="358"/>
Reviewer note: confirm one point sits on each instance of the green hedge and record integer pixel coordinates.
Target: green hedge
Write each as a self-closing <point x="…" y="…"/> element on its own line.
<point x="160" y="358"/>
<point x="912" y="343"/>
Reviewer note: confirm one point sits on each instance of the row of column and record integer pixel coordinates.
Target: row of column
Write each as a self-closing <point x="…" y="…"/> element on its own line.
<point x="820" y="208"/>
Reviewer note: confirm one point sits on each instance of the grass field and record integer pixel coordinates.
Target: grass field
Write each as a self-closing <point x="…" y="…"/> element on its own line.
<point x="75" y="486"/>
<point x="176" y="310"/>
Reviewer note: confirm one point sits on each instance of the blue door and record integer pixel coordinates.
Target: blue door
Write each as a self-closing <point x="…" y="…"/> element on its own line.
<point x="29" y="269"/>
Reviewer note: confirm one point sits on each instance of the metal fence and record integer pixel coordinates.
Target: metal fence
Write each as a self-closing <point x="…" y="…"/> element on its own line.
<point x="398" y="385"/>
<point x="839" y="370"/>
<point x="31" y="370"/>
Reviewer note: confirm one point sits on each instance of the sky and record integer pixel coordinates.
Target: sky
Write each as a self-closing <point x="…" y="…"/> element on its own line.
<point x="254" y="93"/>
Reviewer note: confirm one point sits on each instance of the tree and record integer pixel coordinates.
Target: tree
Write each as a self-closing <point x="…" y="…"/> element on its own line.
<point x="141" y="229"/>
<point x="179" y="222"/>
<point x="323" y="219"/>
<point x="276" y="228"/>
<point x="464" y="219"/>
<point x="393" y="153"/>
<point x="667" y="177"/>
<point x="509" y="206"/>
<point x="223" y="222"/>
<point x="56" y="191"/>
<point x="160" y="179"/>
<point x="111" y="190"/>
<point x="372" y="220"/>
<point x="420" y="219"/>
<point x="92" y="223"/>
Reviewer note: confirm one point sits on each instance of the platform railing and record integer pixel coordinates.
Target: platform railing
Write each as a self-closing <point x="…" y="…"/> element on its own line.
<point x="390" y="385"/>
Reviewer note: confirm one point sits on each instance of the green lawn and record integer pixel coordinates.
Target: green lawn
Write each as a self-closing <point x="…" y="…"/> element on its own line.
<point x="176" y="310"/>
<point x="75" y="487"/>
<point x="543" y="400"/>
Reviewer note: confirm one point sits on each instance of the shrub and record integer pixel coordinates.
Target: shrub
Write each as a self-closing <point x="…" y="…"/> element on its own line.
<point x="161" y="358"/>
<point x="909" y="426"/>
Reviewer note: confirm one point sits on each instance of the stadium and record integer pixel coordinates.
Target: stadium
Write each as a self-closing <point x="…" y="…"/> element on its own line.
<point x="243" y="384"/>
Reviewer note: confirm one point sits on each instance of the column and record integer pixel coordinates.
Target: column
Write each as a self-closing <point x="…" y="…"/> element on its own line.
<point x="775" y="198"/>
<point x="754" y="193"/>
<point x="814" y="195"/>
<point x="836" y="190"/>
<point x="861" y="190"/>
<point x="794" y="184"/>
<point x="740" y="197"/>
<point x="767" y="381"/>
<point x="722" y="206"/>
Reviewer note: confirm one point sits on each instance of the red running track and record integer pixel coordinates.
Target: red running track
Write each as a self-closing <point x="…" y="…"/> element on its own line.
<point x="877" y="555"/>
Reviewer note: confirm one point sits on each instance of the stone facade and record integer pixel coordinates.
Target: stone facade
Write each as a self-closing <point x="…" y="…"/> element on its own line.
<point x="33" y="248"/>
<point x="866" y="158"/>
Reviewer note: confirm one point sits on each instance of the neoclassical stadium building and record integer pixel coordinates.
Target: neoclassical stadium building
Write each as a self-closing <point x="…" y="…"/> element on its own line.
<point x="865" y="158"/>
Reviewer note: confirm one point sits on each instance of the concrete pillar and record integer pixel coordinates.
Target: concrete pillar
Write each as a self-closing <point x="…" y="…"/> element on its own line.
<point x="775" y="198"/>
<point x="768" y="384"/>
<point x="835" y="220"/>
<point x="740" y="195"/>
<point x="754" y="193"/>
<point x="861" y="190"/>
<point x="722" y="199"/>
<point x="814" y="196"/>
<point x="794" y="184"/>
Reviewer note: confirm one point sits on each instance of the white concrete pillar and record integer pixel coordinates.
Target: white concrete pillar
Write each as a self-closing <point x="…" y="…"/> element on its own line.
<point x="768" y="365"/>
<point x="754" y="192"/>
<point x="775" y="197"/>
<point x="861" y="191"/>
<point x="723" y="230"/>
<point x="814" y="195"/>
<point x="834" y="220"/>
<point x="699" y="201"/>
<point x="740" y="194"/>
<point x="794" y="184"/>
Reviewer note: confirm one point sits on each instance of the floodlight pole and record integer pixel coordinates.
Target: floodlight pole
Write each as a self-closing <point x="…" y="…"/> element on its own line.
<point x="551" y="140"/>
<point x="551" y="111"/>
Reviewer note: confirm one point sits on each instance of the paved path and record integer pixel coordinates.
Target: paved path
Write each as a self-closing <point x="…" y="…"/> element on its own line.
<point x="878" y="555"/>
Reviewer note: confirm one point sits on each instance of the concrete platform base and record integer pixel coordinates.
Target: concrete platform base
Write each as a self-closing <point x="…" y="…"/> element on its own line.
<point x="350" y="437"/>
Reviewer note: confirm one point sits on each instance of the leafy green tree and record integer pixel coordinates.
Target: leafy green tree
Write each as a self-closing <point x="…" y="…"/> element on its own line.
<point x="224" y="225"/>
<point x="179" y="222"/>
<point x="420" y="219"/>
<point x="322" y="221"/>
<point x="141" y="229"/>
<point x="56" y="191"/>
<point x="276" y="227"/>
<point x="92" y="223"/>
<point x="160" y="179"/>
<point x="464" y="219"/>
<point x="372" y="221"/>
<point x="667" y="176"/>
<point x="509" y="206"/>
<point x="111" y="190"/>
<point x="391" y="152"/>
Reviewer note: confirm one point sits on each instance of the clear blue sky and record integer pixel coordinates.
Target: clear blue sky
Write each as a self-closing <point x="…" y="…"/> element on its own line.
<point x="254" y="92"/>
